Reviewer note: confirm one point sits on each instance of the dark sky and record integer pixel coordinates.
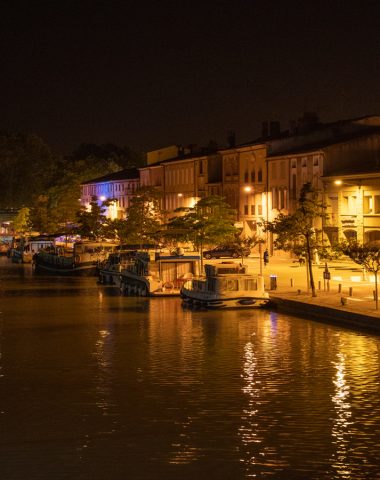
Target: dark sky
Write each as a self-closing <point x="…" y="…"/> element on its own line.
<point x="150" y="74"/>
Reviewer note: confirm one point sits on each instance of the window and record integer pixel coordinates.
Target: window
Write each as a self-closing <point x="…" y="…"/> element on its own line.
<point x="260" y="175"/>
<point x="377" y="203"/>
<point x="245" y="209"/>
<point x="274" y="198"/>
<point x="259" y="209"/>
<point x="246" y="177"/>
<point x="274" y="171"/>
<point x="253" y="176"/>
<point x="253" y="210"/>
<point x="371" y="204"/>
<point x="367" y="204"/>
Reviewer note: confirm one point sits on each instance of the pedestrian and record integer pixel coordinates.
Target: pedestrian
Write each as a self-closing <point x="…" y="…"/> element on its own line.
<point x="266" y="257"/>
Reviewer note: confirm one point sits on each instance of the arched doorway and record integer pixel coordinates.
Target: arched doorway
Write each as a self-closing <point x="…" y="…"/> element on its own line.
<point x="351" y="235"/>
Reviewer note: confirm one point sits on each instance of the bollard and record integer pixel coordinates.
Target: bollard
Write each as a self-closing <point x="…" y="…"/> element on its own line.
<point x="374" y="295"/>
<point x="273" y="282"/>
<point x="350" y="292"/>
<point x="291" y="282"/>
<point x="339" y="288"/>
<point x="319" y="284"/>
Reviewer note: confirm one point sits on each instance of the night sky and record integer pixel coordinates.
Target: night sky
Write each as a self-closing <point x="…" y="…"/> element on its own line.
<point x="149" y="74"/>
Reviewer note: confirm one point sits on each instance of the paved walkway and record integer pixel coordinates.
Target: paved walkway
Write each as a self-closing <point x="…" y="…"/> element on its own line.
<point x="348" y="297"/>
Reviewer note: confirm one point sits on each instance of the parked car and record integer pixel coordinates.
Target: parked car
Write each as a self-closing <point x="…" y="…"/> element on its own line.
<point x="225" y="251"/>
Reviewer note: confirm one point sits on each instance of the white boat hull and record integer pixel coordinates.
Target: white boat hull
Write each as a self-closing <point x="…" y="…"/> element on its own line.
<point x="191" y="298"/>
<point x="225" y="285"/>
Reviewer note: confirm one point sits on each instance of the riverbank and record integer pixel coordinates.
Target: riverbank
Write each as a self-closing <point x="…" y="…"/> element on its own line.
<point x="346" y="300"/>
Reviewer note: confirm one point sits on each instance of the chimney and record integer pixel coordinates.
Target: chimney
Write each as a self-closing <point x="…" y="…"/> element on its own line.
<point x="231" y="139"/>
<point x="264" y="129"/>
<point x="274" y="129"/>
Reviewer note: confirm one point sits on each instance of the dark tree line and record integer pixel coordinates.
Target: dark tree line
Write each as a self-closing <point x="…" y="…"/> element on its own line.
<point x="48" y="184"/>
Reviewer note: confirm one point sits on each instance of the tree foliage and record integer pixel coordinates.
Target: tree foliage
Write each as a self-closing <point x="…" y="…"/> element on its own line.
<point x="242" y="244"/>
<point x="25" y="161"/>
<point x="56" y="208"/>
<point x="296" y="232"/>
<point x="144" y="216"/>
<point x="91" y="223"/>
<point x="124" y="157"/>
<point x="51" y="183"/>
<point x="210" y="221"/>
<point x="364" y="254"/>
<point x="21" y="222"/>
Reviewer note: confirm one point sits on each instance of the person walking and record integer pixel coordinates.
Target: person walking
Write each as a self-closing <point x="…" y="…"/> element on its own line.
<point x="266" y="257"/>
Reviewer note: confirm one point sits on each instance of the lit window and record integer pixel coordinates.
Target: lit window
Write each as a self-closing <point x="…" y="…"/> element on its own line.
<point x="377" y="203"/>
<point x="367" y="204"/>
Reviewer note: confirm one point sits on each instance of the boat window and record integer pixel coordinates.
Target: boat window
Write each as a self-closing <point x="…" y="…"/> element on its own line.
<point x="250" y="284"/>
<point x="232" y="285"/>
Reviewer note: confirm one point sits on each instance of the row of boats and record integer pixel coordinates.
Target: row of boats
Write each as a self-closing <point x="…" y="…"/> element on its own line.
<point x="151" y="273"/>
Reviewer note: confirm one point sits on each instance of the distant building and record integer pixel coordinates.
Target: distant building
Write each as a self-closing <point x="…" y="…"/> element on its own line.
<point x="348" y="151"/>
<point x="182" y="175"/>
<point x="119" y="187"/>
<point x="244" y="184"/>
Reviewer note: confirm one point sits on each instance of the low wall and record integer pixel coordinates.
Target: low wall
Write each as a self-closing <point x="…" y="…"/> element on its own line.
<point x="326" y="314"/>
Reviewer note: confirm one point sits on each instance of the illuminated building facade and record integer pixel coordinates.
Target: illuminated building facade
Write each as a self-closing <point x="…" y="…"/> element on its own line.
<point x="244" y="184"/>
<point x="264" y="178"/>
<point x="342" y="161"/>
<point x="118" y="187"/>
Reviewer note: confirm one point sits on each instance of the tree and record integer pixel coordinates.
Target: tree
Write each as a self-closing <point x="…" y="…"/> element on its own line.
<point x="296" y="232"/>
<point x="25" y="161"/>
<point x="116" y="229"/>
<point x="21" y="222"/>
<point x="366" y="255"/>
<point x="124" y="157"/>
<point x="210" y="221"/>
<point x="56" y="207"/>
<point x="144" y="216"/>
<point x="243" y="244"/>
<point x="91" y="222"/>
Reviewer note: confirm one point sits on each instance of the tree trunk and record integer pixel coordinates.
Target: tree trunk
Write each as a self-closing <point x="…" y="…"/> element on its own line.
<point x="376" y="295"/>
<point x="310" y="265"/>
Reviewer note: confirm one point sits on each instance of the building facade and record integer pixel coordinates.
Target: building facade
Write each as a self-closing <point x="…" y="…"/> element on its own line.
<point x="117" y="188"/>
<point x="264" y="178"/>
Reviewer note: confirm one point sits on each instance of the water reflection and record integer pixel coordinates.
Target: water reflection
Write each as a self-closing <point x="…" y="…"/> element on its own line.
<point x="342" y="419"/>
<point x="103" y="354"/>
<point x="176" y="340"/>
<point x="249" y="431"/>
<point x="105" y="386"/>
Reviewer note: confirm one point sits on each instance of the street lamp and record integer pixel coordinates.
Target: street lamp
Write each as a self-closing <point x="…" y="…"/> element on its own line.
<point x="339" y="182"/>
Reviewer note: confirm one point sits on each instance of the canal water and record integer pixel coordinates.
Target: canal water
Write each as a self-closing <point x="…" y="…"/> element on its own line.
<point x="96" y="386"/>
